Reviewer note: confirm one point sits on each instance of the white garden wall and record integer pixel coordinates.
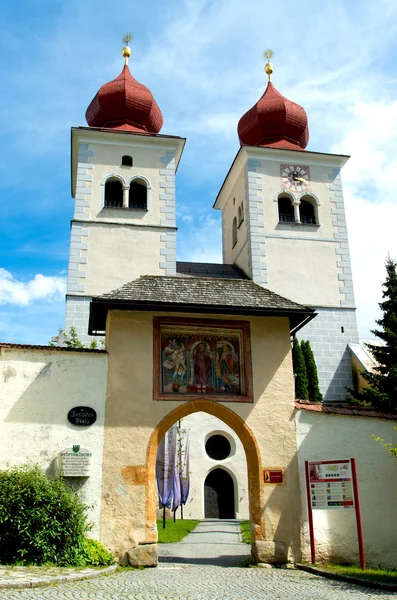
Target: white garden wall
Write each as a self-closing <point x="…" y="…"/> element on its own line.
<point x="326" y="436"/>
<point x="38" y="387"/>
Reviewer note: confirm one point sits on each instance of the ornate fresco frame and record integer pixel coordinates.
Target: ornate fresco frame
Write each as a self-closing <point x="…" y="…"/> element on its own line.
<point x="245" y="360"/>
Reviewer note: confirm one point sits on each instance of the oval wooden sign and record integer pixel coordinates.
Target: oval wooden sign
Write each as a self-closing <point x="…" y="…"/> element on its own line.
<point x="82" y="416"/>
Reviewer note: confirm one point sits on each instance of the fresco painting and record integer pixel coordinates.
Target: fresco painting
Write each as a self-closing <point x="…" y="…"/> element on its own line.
<point x="201" y="361"/>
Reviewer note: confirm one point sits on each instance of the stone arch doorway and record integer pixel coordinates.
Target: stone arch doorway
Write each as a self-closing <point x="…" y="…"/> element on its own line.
<point x="219" y="497"/>
<point x="235" y="422"/>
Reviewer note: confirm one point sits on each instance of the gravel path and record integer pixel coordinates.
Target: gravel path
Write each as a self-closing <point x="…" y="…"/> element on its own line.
<point x="213" y="542"/>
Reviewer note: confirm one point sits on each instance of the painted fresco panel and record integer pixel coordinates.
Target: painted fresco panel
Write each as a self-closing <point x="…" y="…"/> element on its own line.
<point x="201" y="357"/>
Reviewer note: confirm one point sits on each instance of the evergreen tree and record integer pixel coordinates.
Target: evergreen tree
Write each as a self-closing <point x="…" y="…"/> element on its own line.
<point x="311" y="370"/>
<point x="301" y="387"/>
<point x="381" y="393"/>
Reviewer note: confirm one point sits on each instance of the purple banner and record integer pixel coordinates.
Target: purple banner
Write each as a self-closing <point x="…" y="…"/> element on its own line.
<point x="184" y="474"/>
<point x="165" y="467"/>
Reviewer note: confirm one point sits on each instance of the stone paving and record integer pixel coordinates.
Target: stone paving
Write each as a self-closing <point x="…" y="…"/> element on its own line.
<point x="204" y="571"/>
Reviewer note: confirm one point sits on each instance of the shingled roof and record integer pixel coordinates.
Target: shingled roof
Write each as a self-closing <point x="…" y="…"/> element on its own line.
<point x="199" y="295"/>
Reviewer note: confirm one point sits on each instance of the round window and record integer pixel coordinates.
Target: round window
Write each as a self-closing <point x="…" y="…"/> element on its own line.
<point x="218" y="447"/>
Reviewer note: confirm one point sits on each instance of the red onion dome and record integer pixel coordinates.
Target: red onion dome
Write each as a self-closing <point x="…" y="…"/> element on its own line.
<point x="124" y="103"/>
<point x="274" y="122"/>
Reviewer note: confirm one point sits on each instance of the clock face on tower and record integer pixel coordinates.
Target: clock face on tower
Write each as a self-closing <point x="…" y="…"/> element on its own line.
<point x="295" y="178"/>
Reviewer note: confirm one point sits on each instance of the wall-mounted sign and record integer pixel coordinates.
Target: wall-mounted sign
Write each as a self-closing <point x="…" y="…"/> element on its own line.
<point x="331" y="484"/>
<point x="275" y="475"/>
<point x="75" y="462"/>
<point x="82" y="416"/>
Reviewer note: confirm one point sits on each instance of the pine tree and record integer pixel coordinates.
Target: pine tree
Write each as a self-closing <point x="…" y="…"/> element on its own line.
<point x="311" y="370"/>
<point x="381" y="393"/>
<point x="301" y="386"/>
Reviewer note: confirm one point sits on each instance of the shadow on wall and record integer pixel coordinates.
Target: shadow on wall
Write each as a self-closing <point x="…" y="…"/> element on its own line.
<point x="288" y="530"/>
<point x="342" y="376"/>
<point x="50" y="388"/>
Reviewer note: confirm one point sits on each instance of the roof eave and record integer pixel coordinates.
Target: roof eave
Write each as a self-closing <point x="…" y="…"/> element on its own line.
<point x="99" y="309"/>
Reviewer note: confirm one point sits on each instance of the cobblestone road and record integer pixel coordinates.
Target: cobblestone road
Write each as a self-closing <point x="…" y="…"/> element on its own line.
<point x="203" y="567"/>
<point x="203" y="583"/>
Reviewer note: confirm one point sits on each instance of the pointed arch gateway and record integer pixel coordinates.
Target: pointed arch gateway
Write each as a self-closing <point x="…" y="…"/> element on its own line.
<point x="235" y="422"/>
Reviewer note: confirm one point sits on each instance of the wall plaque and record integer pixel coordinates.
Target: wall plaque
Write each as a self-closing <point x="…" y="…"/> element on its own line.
<point x="75" y="462"/>
<point x="274" y="475"/>
<point x="82" y="416"/>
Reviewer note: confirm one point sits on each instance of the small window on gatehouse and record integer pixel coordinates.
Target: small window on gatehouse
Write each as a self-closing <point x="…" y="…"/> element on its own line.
<point x="113" y="193"/>
<point x="138" y="194"/>
<point x="126" y="161"/>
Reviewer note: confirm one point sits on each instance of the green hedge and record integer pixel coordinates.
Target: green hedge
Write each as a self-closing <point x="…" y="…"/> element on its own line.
<point x="42" y="521"/>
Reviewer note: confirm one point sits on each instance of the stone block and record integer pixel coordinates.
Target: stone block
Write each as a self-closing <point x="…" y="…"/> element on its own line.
<point x="144" y="555"/>
<point x="274" y="553"/>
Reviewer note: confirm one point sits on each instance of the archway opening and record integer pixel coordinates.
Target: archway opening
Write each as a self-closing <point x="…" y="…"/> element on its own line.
<point x="254" y="469"/>
<point x="219" y="495"/>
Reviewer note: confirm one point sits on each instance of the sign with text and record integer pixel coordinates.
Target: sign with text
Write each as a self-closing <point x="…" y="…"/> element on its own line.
<point x="82" y="416"/>
<point x="331" y="484"/>
<point x="75" y="462"/>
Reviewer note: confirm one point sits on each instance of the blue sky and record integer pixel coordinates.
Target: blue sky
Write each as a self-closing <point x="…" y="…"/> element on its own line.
<point x="202" y="61"/>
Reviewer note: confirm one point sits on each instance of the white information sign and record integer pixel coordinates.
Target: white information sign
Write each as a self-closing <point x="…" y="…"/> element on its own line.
<point x="75" y="462"/>
<point x="331" y="484"/>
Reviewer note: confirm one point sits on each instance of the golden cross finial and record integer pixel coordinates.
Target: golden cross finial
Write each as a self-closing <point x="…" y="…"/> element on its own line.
<point x="268" y="54"/>
<point x="126" y="51"/>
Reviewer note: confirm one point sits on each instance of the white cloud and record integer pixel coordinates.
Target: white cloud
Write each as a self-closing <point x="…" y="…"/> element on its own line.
<point x="22" y="293"/>
<point x="370" y="136"/>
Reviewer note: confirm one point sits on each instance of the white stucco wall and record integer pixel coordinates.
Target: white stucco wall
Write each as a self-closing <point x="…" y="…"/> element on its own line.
<point x="202" y="426"/>
<point x="326" y="437"/>
<point x="37" y="390"/>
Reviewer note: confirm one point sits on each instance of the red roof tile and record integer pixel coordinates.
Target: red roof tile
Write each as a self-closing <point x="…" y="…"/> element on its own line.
<point x="344" y="409"/>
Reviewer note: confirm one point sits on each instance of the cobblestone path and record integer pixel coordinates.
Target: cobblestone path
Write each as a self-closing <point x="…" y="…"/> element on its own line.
<point x="171" y="582"/>
<point x="203" y="567"/>
<point x="213" y="542"/>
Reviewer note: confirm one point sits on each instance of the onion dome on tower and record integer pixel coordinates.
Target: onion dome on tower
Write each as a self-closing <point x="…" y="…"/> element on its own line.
<point x="274" y="121"/>
<point x="124" y="103"/>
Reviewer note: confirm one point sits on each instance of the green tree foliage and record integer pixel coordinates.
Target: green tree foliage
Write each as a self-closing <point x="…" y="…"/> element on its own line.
<point x="42" y="520"/>
<point x="74" y="341"/>
<point x="381" y="393"/>
<point x="301" y="383"/>
<point x="311" y="370"/>
<point x="389" y="446"/>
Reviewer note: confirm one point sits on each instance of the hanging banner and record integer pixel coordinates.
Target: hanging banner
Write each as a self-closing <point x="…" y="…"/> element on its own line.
<point x="331" y="484"/>
<point x="184" y="474"/>
<point x="165" y="467"/>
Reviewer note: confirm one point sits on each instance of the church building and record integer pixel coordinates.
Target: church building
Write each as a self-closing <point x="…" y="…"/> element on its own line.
<point x="205" y="344"/>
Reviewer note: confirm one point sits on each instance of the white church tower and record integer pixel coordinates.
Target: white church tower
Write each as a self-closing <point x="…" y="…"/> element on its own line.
<point x="123" y="183"/>
<point x="284" y="226"/>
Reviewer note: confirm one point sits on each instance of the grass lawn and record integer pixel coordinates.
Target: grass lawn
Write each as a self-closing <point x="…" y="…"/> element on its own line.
<point x="369" y="574"/>
<point x="175" y="532"/>
<point x="245" y="531"/>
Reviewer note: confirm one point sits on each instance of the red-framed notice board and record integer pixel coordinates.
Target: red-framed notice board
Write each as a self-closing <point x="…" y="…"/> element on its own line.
<point x="332" y="485"/>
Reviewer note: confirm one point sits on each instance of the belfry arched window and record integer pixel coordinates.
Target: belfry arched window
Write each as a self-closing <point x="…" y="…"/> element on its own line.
<point x="307" y="211"/>
<point x="113" y="193"/>
<point x="234" y="232"/>
<point x="285" y="210"/>
<point x="138" y="194"/>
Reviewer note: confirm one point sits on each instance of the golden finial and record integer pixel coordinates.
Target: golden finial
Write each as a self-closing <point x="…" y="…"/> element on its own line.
<point x="268" y="54"/>
<point x="126" y="51"/>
